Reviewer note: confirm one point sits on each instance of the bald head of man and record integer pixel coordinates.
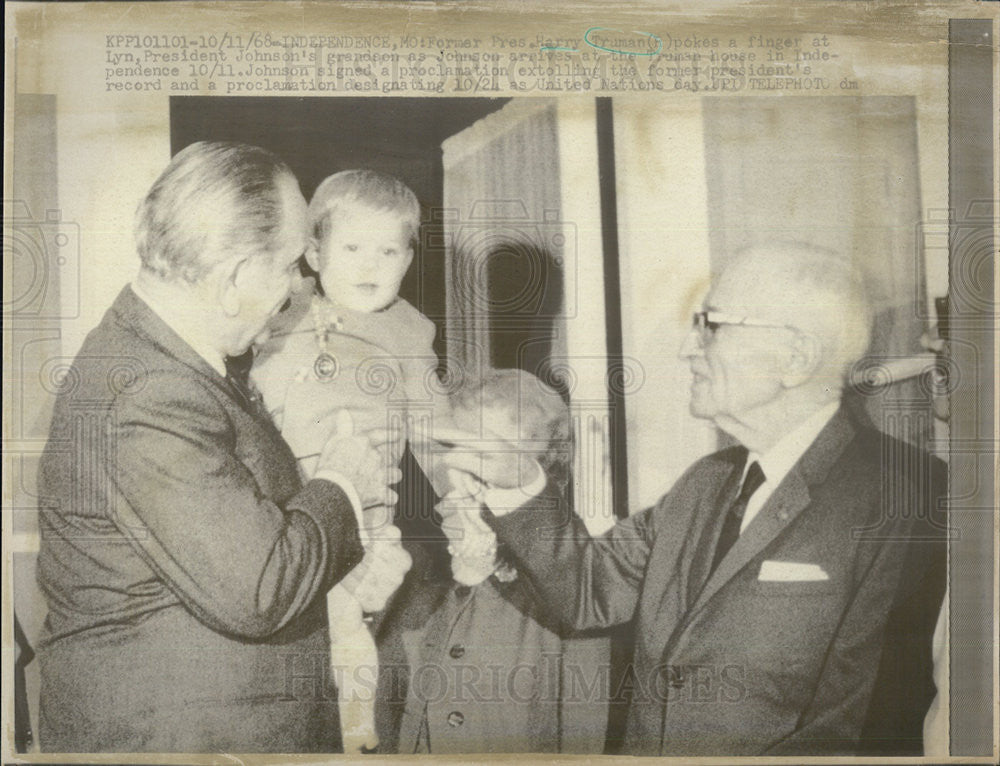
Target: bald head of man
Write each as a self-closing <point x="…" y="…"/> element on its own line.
<point x="780" y="328"/>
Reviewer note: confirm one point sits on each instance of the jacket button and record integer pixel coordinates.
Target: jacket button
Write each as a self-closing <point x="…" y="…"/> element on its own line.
<point x="455" y="719"/>
<point x="456" y="652"/>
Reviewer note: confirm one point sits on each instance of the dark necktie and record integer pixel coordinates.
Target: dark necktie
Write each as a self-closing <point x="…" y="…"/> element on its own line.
<point x="734" y="516"/>
<point x="238" y="376"/>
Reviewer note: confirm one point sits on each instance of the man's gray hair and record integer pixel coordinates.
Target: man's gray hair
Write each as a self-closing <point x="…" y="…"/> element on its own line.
<point x="831" y="301"/>
<point x="214" y="200"/>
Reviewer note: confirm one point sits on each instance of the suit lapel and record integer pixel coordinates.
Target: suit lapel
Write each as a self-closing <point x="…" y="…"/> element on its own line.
<point x="713" y="511"/>
<point x="784" y="505"/>
<point x="134" y="313"/>
<point x="674" y="562"/>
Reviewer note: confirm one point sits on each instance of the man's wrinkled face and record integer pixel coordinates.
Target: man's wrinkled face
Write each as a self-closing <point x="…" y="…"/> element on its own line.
<point x="735" y="368"/>
<point x="270" y="278"/>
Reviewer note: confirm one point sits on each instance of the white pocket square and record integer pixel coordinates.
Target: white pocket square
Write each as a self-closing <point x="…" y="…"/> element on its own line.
<point x="791" y="571"/>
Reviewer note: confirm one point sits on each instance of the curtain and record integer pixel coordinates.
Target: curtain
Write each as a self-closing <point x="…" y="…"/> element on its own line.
<point x="524" y="269"/>
<point x="504" y="241"/>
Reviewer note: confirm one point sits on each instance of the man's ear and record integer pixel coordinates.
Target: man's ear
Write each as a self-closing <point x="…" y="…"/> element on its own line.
<point x="232" y="273"/>
<point x="803" y="359"/>
<point x="409" y="256"/>
<point x="312" y="255"/>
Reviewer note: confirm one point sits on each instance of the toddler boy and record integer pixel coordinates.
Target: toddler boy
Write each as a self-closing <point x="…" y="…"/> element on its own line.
<point x="352" y="344"/>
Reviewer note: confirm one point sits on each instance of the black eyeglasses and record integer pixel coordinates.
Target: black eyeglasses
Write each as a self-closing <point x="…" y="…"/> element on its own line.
<point x="708" y="322"/>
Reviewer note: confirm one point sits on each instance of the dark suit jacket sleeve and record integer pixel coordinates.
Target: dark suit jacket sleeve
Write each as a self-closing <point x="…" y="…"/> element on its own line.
<point x="589" y="582"/>
<point x="240" y="562"/>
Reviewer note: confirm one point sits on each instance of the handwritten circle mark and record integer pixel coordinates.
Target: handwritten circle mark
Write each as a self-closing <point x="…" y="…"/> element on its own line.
<point x="650" y="35"/>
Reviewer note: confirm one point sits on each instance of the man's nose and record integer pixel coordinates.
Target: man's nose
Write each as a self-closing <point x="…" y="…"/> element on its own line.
<point x="691" y="346"/>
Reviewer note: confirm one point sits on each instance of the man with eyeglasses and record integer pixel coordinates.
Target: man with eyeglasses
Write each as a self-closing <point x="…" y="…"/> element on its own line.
<point x="762" y="587"/>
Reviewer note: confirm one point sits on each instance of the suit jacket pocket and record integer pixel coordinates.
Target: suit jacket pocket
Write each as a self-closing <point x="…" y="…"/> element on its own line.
<point x="794" y="587"/>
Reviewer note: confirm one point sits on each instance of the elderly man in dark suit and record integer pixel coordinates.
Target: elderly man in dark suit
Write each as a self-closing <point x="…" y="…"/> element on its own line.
<point x="762" y="584"/>
<point x="184" y="563"/>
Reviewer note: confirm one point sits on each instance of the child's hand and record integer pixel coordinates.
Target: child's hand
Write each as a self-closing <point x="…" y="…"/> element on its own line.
<point x="471" y="543"/>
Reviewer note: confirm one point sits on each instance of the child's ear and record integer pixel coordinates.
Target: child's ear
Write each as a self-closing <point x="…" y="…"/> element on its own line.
<point x="409" y="256"/>
<point x="312" y="255"/>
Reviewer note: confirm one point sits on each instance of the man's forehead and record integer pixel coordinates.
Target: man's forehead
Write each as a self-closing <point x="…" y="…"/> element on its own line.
<point x="725" y="295"/>
<point x="748" y="285"/>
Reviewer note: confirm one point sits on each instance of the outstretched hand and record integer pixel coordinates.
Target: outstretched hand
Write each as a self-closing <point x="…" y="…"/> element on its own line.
<point x="494" y="463"/>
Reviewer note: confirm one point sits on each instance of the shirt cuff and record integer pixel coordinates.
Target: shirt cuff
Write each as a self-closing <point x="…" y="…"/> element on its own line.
<point x="348" y="489"/>
<point x="502" y="501"/>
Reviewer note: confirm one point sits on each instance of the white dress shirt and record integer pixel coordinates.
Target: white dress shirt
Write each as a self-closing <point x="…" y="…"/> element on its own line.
<point x="778" y="461"/>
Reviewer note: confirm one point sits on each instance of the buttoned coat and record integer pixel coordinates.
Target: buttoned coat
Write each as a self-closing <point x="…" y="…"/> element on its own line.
<point x="184" y="564"/>
<point x="484" y="669"/>
<point x="730" y="663"/>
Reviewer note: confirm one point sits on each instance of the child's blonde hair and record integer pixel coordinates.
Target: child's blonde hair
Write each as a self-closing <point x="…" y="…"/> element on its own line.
<point x="368" y="187"/>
